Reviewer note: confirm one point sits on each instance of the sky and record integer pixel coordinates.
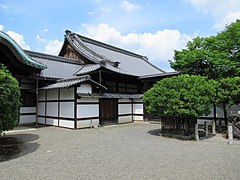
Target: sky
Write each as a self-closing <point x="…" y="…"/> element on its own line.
<point x="153" y="28"/>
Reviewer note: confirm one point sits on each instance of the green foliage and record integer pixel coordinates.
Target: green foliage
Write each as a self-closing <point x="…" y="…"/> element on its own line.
<point x="9" y="100"/>
<point x="228" y="92"/>
<point x="183" y="96"/>
<point x="215" y="57"/>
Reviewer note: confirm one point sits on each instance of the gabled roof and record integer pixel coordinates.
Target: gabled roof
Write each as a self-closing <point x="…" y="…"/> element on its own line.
<point x="72" y="81"/>
<point x="19" y="52"/>
<point x="124" y="61"/>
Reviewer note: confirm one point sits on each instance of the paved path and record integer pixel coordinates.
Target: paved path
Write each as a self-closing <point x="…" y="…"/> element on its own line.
<point x="131" y="151"/>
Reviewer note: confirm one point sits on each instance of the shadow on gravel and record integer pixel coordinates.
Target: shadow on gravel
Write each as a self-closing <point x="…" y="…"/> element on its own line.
<point x="155" y="132"/>
<point x="17" y="145"/>
<point x="158" y="132"/>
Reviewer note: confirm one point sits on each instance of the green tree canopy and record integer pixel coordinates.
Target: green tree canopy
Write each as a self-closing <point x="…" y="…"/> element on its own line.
<point x="181" y="96"/>
<point x="9" y="100"/>
<point x="215" y="57"/>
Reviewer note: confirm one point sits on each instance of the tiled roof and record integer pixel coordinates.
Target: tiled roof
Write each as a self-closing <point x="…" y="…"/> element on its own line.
<point x="129" y="63"/>
<point x="93" y="67"/>
<point x="57" y="67"/>
<point x="19" y="52"/>
<point x="71" y="81"/>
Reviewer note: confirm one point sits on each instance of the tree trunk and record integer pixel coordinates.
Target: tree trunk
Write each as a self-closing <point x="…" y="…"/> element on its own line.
<point x="225" y="115"/>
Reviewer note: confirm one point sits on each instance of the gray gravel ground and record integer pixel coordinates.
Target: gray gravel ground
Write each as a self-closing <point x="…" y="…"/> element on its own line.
<point x="130" y="151"/>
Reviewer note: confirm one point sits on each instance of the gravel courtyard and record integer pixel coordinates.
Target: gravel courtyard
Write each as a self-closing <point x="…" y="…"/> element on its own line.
<point x="130" y="151"/>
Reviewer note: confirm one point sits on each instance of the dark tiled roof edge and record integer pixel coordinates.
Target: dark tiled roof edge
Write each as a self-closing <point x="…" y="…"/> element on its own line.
<point x="51" y="57"/>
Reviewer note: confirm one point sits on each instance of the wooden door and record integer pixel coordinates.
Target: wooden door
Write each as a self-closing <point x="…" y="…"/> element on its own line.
<point x="108" y="111"/>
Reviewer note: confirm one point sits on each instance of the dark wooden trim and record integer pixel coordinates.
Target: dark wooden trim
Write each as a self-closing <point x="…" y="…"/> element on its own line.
<point x="67" y="100"/>
<point x="75" y="107"/>
<point x="57" y="126"/>
<point x="27" y="114"/>
<point x="55" y="117"/>
<point x="121" y="115"/>
<point x="58" y="105"/>
<point x="45" y="106"/>
<point x="137" y="114"/>
<point x="87" y="118"/>
<point x="88" y="103"/>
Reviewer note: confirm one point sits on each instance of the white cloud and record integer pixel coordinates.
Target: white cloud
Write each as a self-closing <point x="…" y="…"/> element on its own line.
<point x="129" y="7"/>
<point x="19" y="39"/>
<point x="1" y="27"/>
<point x="45" y="30"/>
<point x="53" y="47"/>
<point x="158" y="47"/>
<point x="224" y="11"/>
<point x="40" y="39"/>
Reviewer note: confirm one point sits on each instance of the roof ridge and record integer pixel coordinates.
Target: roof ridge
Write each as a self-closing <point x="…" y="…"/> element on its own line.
<point x="111" y="47"/>
<point x="51" y="57"/>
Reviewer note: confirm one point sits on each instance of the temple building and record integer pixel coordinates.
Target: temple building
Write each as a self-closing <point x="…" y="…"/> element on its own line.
<point x="88" y="84"/>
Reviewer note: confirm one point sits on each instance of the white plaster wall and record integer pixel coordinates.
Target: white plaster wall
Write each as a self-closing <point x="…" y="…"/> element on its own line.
<point x="87" y="110"/>
<point x="124" y="119"/>
<point x="87" y="123"/>
<point x="137" y="108"/>
<point x="67" y="94"/>
<point x="52" y="109"/>
<point x="27" y="109"/>
<point x="41" y="108"/>
<point x="27" y="119"/>
<point x="84" y="88"/>
<point x="41" y="95"/>
<point x="41" y="120"/>
<point x="67" y="109"/>
<point x="52" y="94"/>
<point x="124" y="109"/>
<point x="65" y="123"/>
<point x="51" y="121"/>
<point x="138" y="118"/>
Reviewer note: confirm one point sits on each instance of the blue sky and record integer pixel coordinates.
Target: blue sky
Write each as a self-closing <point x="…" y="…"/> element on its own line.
<point x="153" y="28"/>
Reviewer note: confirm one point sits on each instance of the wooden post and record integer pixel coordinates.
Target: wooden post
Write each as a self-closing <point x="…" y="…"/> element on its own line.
<point x="230" y="134"/>
<point x="213" y="127"/>
<point x="196" y="131"/>
<point x="37" y="81"/>
<point x="206" y="128"/>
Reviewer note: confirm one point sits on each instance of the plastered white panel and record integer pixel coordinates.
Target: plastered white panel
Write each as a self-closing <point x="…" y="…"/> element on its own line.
<point x="67" y="109"/>
<point x="84" y="88"/>
<point x="124" y="100"/>
<point x="65" y="123"/>
<point x="52" y="109"/>
<point x="67" y="94"/>
<point x="124" y="109"/>
<point x="41" y="108"/>
<point x="87" y="110"/>
<point x="138" y="118"/>
<point x="137" y="108"/>
<point x="51" y="121"/>
<point x="41" y="95"/>
<point x="52" y="94"/>
<point x="27" y="119"/>
<point x="87" y="123"/>
<point x="27" y="109"/>
<point x="124" y="119"/>
<point x="90" y="99"/>
<point x="41" y="120"/>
